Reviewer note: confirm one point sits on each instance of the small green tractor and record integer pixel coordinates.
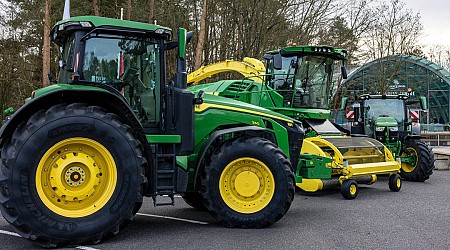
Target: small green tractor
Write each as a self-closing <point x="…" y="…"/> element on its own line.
<point x="79" y="156"/>
<point x="386" y="118"/>
<point x="298" y="82"/>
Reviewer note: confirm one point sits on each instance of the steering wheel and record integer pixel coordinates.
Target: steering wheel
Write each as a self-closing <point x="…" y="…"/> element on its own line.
<point x="129" y="75"/>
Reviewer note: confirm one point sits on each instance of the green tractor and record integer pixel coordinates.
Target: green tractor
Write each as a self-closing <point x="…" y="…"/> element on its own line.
<point x="298" y="82"/>
<point x="386" y="118"/>
<point x="79" y="156"/>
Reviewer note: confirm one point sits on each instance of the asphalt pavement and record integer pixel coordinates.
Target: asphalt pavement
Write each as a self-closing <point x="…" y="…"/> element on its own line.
<point x="417" y="217"/>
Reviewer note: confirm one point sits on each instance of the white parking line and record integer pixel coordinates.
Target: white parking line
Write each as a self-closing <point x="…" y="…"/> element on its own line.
<point x="86" y="248"/>
<point x="174" y="218"/>
<point x="9" y="233"/>
<point x="17" y="235"/>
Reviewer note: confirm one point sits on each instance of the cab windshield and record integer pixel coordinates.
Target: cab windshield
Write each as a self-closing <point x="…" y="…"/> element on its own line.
<point x="127" y="63"/>
<point x="375" y="108"/>
<point x="305" y="81"/>
<point x="112" y="59"/>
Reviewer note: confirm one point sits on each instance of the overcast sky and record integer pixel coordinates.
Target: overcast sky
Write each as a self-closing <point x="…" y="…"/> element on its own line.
<point x="435" y="17"/>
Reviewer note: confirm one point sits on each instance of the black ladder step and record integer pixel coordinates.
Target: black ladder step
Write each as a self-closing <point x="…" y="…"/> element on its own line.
<point x="165" y="171"/>
<point x="165" y="155"/>
<point x="156" y="203"/>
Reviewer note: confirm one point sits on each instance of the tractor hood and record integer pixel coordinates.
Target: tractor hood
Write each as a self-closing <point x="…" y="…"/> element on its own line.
<point x="304" y="113"/>
<point x="386" y="122"/>
<point x="218" y="102"/>
<point x="217" y="88"/>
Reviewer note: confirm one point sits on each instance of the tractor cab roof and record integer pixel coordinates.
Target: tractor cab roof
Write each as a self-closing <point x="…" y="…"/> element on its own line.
<point x="368" y="96"/>
<point x="321" y="50"/>
<point x="65" y="27"/>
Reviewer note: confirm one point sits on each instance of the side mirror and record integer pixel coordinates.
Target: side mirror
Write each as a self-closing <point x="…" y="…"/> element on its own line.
<point x="344" y="72"/>
<point x="174" y="44"/>
<point x="268" y="56"/>
<point x="183" y="38"/>
<point x="423" y="102"/>
<point x="199" y="98"/>
<point x="344" y="103"/>
<point x="277" y="62"/>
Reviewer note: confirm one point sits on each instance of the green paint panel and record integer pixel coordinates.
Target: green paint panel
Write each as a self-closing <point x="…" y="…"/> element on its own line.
<point x="303" y="113"/>
<point x="243" y="107"/>
<point x="182" y="161"/>
<point x="57" y="87"/>
<point x="314" y="167"/>
<point x="386" y="122"/>
<point x="163" y="138"/>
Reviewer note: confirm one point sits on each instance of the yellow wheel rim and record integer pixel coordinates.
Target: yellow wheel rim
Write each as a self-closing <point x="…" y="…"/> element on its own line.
<point x="247" y="185"/>
<point x="352" y="189"/>
<point x="406" y="167"/>
<point x="399" y="182"/>
<point x="76" y="177"/>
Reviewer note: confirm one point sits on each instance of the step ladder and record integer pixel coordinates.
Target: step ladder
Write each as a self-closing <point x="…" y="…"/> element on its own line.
<point x="165" y="174"/>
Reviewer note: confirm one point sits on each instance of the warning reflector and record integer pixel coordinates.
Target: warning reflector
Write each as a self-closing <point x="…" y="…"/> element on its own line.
<point x="414" y="114"/>
<point x="350" y="114"/>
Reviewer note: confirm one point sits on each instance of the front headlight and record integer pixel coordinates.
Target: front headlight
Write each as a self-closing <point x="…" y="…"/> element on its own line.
<point x="393" y="129"/>
<point x="379" y="129"/>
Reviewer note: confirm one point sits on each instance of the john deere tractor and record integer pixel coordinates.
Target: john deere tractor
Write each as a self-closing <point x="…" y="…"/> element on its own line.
<point x="386" y="118"/>
<point x="298" y="82"/>
<point x="78" y="156"/>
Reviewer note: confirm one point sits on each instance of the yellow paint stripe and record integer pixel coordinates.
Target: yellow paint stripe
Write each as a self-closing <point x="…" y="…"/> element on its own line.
<point x="205" y="106"/>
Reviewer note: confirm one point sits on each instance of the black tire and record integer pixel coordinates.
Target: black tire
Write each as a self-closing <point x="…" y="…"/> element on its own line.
<point x="395" y="182"/>
<point x="23" y="155"/>
<point x="349" y="189"/>
<point x="424" y="165"/>
<point x="194" y="199"/>
<point x="244" y="152"/>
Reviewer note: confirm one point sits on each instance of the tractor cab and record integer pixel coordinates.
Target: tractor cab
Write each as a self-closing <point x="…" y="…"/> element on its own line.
<point x="383" y="117"/>
<point x="304" y="75"/>
<point x="381" y="114"/>
<point x="127" y="60"/>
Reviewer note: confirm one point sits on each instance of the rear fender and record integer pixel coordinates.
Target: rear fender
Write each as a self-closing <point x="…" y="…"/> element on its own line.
<point x="110" y="101"/>
<point x="412" y="137"/>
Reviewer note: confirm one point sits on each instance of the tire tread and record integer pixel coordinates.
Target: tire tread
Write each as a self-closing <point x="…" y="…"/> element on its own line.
<point x="20" y="135"/>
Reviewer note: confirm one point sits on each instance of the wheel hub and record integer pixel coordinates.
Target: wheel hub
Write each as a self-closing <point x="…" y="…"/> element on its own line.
<point x="409" y="165"/>
<point x="353" y="189"/>
<point x="247" y="185"/>
<point x="76" y="177"/>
